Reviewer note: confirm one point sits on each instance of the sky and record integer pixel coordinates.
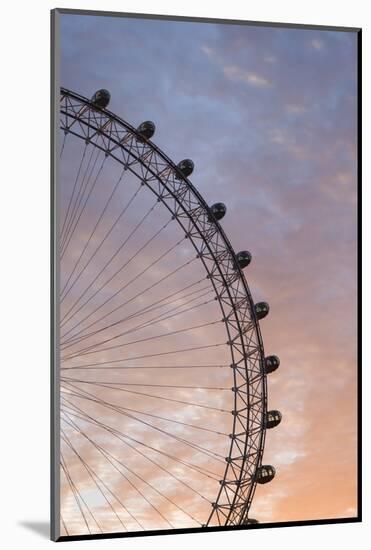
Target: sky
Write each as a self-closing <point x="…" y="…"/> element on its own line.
<point x="268" y="116"/>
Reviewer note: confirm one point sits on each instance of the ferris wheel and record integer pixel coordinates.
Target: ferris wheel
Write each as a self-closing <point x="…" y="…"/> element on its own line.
<point x="163" y="377"/>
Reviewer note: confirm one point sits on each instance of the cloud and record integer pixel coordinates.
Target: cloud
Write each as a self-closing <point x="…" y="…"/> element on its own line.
<point x="295" y="109"/>
<point x="207" y="50"/>
<point x="270" y="59"/>
<point x="249" y="77"/>
<point x="317" y="44"/>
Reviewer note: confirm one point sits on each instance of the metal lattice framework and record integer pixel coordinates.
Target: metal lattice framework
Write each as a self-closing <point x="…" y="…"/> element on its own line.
<point x="119" y="140"/>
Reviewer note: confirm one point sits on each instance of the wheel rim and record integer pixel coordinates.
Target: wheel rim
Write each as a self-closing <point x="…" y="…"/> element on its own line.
<point x="116" y="139"/>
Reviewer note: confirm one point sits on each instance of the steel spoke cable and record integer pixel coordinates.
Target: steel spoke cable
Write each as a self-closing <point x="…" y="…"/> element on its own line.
<point x="91" y="397"/>
<point x="168" y="472"/>
<point x="196" y="348"/>
<point x="172" y="386"/>
<point x="119" y="435"/>
<point x="161" y="316"/>
<point x="121" y="409"/>
<point x="78" y="428"/>
<point x="75" y="214"/>
<point x="115" y="432"/>
<point x="154" y="367"/>
<point x="106" y="454"/>
<point x="134" y="279"/>
<point x="155" y="320"/>
<point x="174" y="421"/>
<point x="93" y="475"/>
<point x="207" y="452"/>
<point x="162" y="398"/>
<point x="146" y="309"/>
<point x="76" y="222"/>
<point x="204" y="450"/>
<point x="145" y="395"/>
<point x="64" y="320"/>
<point x="142" y="357"/>
<point x="73" y="490"/>
<point x="121" y="215"/>
<point x="132" y="472"/>
<point x="172" y="312"/>
<point x="94" y="229"/>
<point x="90" y="471"/>
<point x="142" y="340"/>
<point x="123" y="266"/>
<point x="77" y="494"/>
<point x="114" y="256"/>
<point x="73" y="191"/>
<point x="64" y="525"/>
<point x="88" y="170"/>
<point x="150" y="287"/>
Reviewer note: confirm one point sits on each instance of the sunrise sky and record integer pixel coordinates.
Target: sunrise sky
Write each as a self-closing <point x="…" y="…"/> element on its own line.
<point x="268" y="116"/>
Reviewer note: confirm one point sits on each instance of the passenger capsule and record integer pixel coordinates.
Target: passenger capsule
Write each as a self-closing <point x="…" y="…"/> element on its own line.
<point x="265" y="474"/>
<point x="261" y="310"/>
<point x="272" y="363"/>
<point x="101" y="98"/>
<point x="243" y="258"/>
<point x="146" y="129"/>
<point x="186" y="167"/>
<point x="218" y="211"/>
<point x="272" y="419"/>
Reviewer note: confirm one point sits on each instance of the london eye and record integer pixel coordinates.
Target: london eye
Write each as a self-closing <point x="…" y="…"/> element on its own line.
<point x="163" y="376"/>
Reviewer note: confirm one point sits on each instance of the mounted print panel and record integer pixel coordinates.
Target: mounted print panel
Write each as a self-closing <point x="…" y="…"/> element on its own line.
<point x="204" y="371"/>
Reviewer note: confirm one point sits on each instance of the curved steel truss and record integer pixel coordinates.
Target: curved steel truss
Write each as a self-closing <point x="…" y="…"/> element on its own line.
<point x="119" y="140"/>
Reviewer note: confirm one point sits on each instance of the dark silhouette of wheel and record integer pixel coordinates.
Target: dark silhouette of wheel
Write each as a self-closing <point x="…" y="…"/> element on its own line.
<point x="163" y="377"/>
